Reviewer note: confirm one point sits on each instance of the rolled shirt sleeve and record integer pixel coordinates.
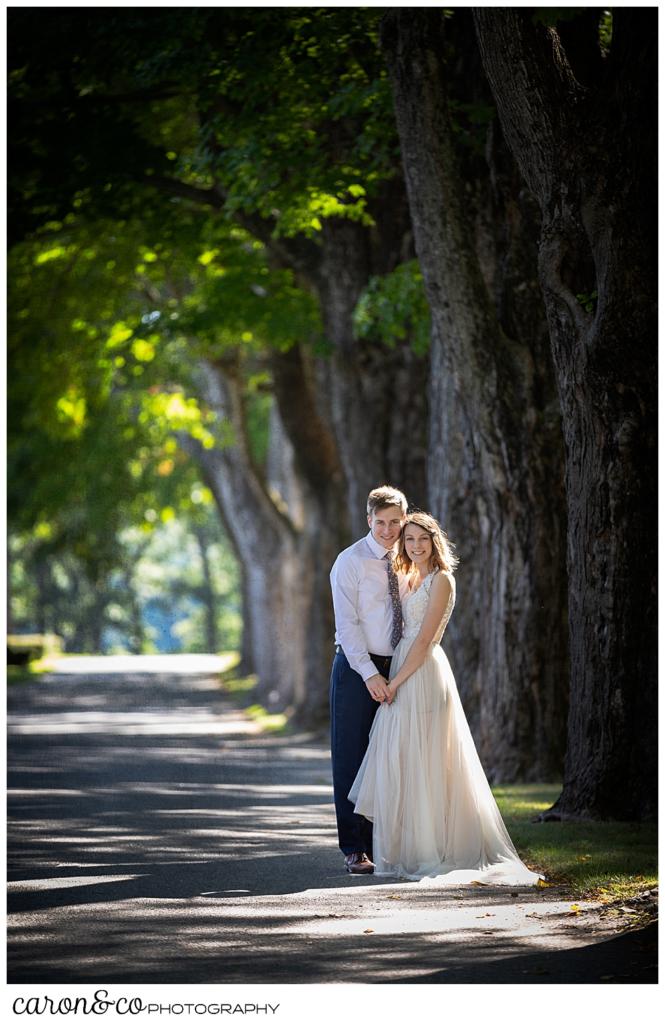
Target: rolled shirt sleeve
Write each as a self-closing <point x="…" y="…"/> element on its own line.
<point x="344" y="581"/>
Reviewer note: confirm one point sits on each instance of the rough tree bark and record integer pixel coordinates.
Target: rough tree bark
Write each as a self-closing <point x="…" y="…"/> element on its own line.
<point x="286" y="527"/>
<point x="582" y="129"/>
<point x="367" y="390"/>
<point x="325" y="406"/>
<point x="313" y="488"/>
<point x="356" y="418"/>
<point x="495" y="449"/>
<point x="377" y="396"/>
<point x="263" y="537"/>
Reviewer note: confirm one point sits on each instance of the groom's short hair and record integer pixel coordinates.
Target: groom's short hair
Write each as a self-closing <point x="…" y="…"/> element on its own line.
<point x="384" y="497"/>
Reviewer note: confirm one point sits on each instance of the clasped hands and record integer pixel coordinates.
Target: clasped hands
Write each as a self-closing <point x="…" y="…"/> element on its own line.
<point x="380" y="689"/>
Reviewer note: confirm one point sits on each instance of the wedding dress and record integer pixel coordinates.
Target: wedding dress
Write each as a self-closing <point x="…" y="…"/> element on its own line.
<point x="421" y="782"/>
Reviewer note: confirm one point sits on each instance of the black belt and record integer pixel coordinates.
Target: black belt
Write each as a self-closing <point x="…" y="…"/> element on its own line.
<point x="374" y="657"/>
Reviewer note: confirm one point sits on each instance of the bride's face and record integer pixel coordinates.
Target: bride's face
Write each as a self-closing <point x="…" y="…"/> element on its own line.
<point x="417" y="544"/>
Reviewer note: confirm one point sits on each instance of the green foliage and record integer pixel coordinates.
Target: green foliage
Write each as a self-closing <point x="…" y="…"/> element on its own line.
<point x="120" y="283"/>
<point x="288" y="110"/>
<point x="298" y="123"/>
<point x="169" y="583"/>
<point x="551" y="16"/>
<point x="605" y="28"/>
<point x="258" y="406"/>
<point x="588" y="301"/>
<point x="234" y="298"/>
<point x="153" y="598"/>
<point x="104" y="332"/>
<point x="393" y="308"/>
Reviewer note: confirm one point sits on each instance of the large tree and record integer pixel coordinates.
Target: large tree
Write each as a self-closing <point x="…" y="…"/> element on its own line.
<point x="282" y="124"/>
<point x="576" y="95"/>
<point x="91" y="450"/>
<point x="283" y="132"/>
<point x="495" y="449"/>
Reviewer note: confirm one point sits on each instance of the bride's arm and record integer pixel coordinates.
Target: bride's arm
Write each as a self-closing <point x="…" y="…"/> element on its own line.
<point x="438" y="601"/>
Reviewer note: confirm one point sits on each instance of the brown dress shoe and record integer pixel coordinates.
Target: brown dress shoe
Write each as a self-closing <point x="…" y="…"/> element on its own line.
<point x="358" y="864"/>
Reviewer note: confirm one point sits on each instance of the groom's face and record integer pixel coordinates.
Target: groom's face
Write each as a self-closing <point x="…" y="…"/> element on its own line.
<point x="386" y="524"/>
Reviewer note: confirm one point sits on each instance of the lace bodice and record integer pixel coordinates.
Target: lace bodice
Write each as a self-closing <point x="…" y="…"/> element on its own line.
<point x="414" y="607"/>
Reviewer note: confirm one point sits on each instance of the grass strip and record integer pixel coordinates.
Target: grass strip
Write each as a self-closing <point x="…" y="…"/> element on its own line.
<point x="603" y="860"/>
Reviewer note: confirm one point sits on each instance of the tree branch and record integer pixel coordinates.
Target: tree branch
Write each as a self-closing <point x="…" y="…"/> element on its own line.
<point x="175" y="187"/>
<point x="534" y="89"/>
<point x="298" y="254"/>
<point x="163" y="91"/>
<point x="312" y="439"/>
<point x="222" y="390"/>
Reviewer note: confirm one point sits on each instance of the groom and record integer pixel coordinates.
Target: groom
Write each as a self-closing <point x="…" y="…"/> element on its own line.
<point x="368" y="625"/>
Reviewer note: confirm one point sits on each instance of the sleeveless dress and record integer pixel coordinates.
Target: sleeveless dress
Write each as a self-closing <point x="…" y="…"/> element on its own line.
<point x="421" y="782"/>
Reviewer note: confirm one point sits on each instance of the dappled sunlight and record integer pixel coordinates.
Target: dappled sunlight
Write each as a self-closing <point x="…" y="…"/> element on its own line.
<point x="133" y="723"/>
<point x="219" y="936"/>
<point x="196" y="664"/>
<point x="215" y="859"/>
<point x="29" y="884"/>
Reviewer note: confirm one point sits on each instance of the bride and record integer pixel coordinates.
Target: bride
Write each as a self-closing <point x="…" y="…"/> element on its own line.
<point x="421" y="782"/>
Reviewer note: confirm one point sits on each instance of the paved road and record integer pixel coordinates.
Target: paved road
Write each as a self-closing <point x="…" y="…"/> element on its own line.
<point x="156" y="836"/>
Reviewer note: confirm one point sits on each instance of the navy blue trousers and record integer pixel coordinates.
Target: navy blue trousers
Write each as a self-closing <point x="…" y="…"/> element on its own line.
<point x="352" y="711"/>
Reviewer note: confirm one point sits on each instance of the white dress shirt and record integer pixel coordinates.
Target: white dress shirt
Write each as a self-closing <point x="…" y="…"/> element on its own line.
<point x="361" y="599"/>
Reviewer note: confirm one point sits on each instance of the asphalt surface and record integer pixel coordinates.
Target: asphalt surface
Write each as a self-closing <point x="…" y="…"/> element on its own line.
<point x="156" y="836"/>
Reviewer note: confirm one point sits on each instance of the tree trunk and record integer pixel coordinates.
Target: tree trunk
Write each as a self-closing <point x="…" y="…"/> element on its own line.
<point x="264" y="538"/>
<point x="312" y="483"/>
<point x="43" y="578"/>
<point x="369" y="405"/>
<point x="95" y="615"/>
<point x="207" y="592"/>
<point x="495" y="452"/>
<point x="582" y="130"/>
<point x="136" y="625"/>
<point x="246" y="666"/>
<point x="376" y="396"/>
<point x="355" y="419"/>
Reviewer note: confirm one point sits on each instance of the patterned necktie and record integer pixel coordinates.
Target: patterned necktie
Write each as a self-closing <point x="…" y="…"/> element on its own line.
<point x="393" y="589"/>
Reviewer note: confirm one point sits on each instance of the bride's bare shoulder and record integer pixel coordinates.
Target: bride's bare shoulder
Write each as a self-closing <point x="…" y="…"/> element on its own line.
<point x="442" y="583"/>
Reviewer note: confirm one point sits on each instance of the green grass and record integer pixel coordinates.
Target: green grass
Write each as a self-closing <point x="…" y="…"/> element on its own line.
<point x="29" y="673"/>
<point x="603" y="860"/>
<point x="268" y="722"/>
<point x="241" y="689"/>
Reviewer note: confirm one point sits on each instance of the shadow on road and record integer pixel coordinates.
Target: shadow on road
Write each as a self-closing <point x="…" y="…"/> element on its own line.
<point x="153" y="836"/>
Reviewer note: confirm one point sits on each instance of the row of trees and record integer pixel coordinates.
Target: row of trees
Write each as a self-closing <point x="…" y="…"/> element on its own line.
<point x="268" y="197"/>
<point x="173" y="588"/>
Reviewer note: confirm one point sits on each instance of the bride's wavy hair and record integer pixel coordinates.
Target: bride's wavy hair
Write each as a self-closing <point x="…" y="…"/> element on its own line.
<point x="442" y="556"/>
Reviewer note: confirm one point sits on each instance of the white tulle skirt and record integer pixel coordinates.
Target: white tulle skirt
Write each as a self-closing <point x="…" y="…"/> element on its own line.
<point x="422" y="785"/>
